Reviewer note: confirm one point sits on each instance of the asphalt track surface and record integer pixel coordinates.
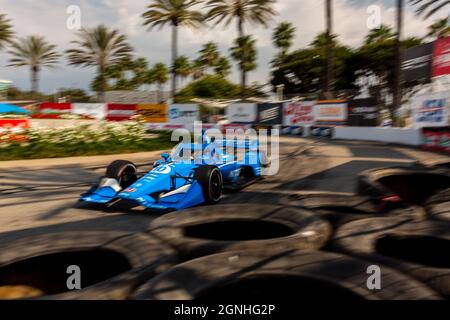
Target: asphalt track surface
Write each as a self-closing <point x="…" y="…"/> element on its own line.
<point x="40" y="196"/>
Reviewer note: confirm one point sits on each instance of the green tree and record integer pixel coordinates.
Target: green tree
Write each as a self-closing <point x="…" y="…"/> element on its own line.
<point x="381" y="33"/>
<point x="223" y="67"/>
<point x="36" y="53"/>
<point x="257" y="12"/>
<point x="430" y="7"/>
<point x="71" y="95"/>
<point x="244" y="52"/>
<point x="99" y="47"/>
<point x="282" y="38"/>
<point x="6" y="32"/>
<point x="127" y="74"/>
<point x="183" y="68"/>
<point x="159" y="74"/>
<point x="439" y="29"/>
<point x="209" y="54"/>
<point x="211" y="87"/>
<point x="177" y="13"/>
<point x="198" y="69"/>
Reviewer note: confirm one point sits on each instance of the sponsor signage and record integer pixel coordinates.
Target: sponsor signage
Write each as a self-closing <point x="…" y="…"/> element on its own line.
<point x="93" y="110"/>
<point x="417" y="63"/>
<point x="120" y="112"/>
<point x="436" y="139"/>
<point x="431" y="110"/>
<point x="241" y="113"/>
<point x="298" y="113"/>
<point x="48" y="107"/>
<point x="153" y="112"/>
<point x="14" y="124"/>
<point x="363" y="113"/>
<point x="270" y="113"/>
<point x="331" y="112"/>
<point x="441" y="57"/>
<point x="183" y="114"/>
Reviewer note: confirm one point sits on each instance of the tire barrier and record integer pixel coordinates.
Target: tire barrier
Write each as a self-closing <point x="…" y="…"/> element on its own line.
<point x="419" y="249"/>
<point x="197" y="232"/>
<point x="410" y="185"/>
<point x="340" y="209"/>
<point x="111" y="265"/>
<point x="439" y="211"/>
<point x="278" y="276"/>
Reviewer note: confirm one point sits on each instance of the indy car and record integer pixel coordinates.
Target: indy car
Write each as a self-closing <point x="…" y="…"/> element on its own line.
<point x="193" y="174"/>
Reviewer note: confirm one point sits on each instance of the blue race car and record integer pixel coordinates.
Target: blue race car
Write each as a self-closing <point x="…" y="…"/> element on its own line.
<point x="194" y="174"/>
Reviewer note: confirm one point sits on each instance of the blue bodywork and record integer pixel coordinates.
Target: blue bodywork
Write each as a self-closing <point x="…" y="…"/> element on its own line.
<point x="171" y="185"/>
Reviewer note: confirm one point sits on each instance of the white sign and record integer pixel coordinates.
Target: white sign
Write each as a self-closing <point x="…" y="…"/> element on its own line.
<point x="431" y="110"/>
<point x="183" y="114"/>
<point x="298" y="113"/>
<point x="93" y="110"/>
<point x="331" y="111"/>
<point x="241" y="112"/>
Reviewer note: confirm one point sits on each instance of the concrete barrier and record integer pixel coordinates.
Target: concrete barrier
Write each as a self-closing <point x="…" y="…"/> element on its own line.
<point x="408" y="136"/>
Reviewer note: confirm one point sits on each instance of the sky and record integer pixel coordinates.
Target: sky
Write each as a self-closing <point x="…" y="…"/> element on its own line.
<point x="49" y="18"/>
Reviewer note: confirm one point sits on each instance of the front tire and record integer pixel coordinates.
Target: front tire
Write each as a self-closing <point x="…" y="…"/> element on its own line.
<point x="125" y="172"/>
<point x="211" y="180"/>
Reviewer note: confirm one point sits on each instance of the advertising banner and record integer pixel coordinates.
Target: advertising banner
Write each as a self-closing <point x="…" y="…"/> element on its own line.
<point x="120" y="112"/>
<point x="441" y="57"/>
<point x="92" y="110"/>
<point x="363" y="112"/>
<point x="270" y="113"/>
<point x="331" y="112"/>
<point x="153" y="112"/>
<point x="298" y="113"/>
<point x="241" y="112"/>
<point x="431" y="110"/>
<point x="417" y="63"/>
<point x="14" y="124"/>
<point x="49" y="107"/>
<point x="436" y="139"/>
<point x="184" y="114"/>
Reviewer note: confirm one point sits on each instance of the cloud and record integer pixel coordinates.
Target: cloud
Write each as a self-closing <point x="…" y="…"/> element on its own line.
<point x="48" y="18"/>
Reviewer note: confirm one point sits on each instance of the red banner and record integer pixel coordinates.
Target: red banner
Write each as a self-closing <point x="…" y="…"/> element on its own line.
<point x="441" y="57"/>
<point x="14" y="123"/>
<point x="49" y="107"/>
<point x="120" y="112"/>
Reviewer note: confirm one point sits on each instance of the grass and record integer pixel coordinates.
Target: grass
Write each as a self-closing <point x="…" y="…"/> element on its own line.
<point x="43" y="149"/>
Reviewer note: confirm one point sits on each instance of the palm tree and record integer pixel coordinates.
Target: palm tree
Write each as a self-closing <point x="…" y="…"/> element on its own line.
<point x="243" y="11"/>
<point x="282" y="37"/>
<point x="381" y="33"/>
<point x="183" y="67"/>
<point x="177" y="13"/>
<point x="439" y="29"/>
<point x="329" y="32"/>
<point x="430" y="7"/>
<point x="33" y="52"/>
<point x="223" y="67"/>
<point x="209" y="54"/>
<point x="160" y="75"/>
<point x="99" y="47"/>
<point x="244" y="47"/>
<point x="6" y="32"/>
<point x="198" y="69"/>
<point x="397" y="92"/>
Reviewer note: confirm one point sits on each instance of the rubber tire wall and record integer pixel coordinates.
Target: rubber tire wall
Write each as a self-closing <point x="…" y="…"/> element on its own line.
<point x="361" y="239"/>
<point x="193" y="279"/>
<point x="146" y="255"/>
<point x="308" y="231"/>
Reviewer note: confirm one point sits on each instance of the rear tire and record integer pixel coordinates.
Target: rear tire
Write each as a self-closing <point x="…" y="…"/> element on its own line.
<point x="211" y="180"/>
<point x="125" y="172"/>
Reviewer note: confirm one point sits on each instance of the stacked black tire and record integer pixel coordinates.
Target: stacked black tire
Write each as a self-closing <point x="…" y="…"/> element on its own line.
<point x="318" y="245"/>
